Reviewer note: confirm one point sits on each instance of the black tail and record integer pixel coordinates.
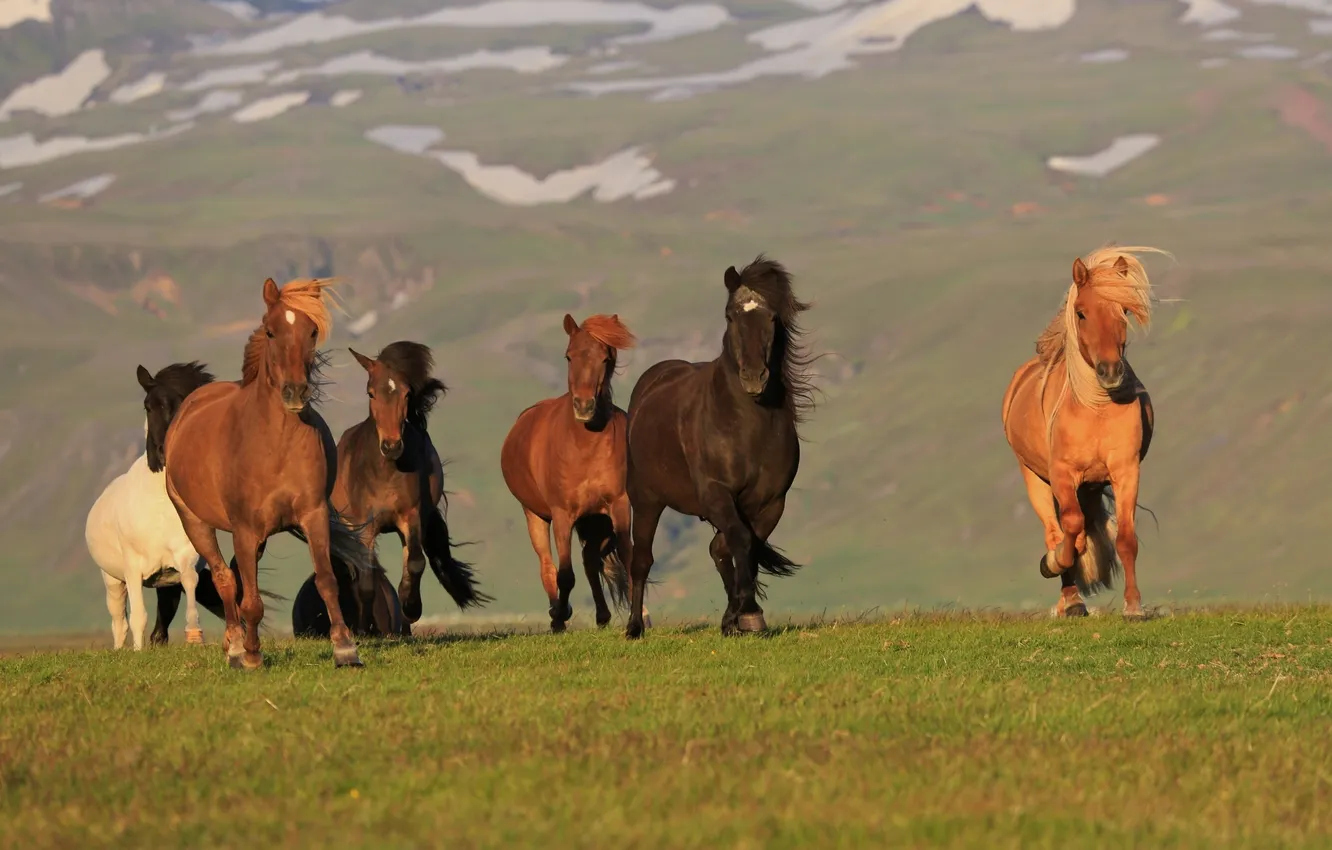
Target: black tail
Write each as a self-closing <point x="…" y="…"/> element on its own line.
<point x="597" y="534"/>
<point x="456" y="576"/>
<point x="1097" y="567"/>
<point x="770" y="560"/>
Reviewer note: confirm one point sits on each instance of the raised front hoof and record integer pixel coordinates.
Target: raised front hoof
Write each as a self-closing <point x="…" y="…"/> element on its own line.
<point x="1077" y="609"/>
<point x="194" y="637"/>
<point x="346" y="657"/>
<point x="1046" y="563"/>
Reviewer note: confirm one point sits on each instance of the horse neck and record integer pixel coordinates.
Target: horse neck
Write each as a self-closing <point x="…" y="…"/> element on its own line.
<point x="725" y="387"/>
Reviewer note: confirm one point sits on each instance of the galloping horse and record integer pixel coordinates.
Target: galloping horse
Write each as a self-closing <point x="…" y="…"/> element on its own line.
<point x="133" y="532"/>
<point x="718" y="441"/>
<point x="1080" y="423"/>
<point x="564" y="461"/>
<point x="391" y="478"/>
<point x="254" y="458"/>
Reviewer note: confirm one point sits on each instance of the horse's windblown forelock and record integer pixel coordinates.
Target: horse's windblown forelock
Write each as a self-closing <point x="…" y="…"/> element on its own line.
<point x="308" y="296"/>
<point x="414" y="362"/>
<point x="772" y="282"/>
<point x="180" y="379"/>
<point x="609" y="331"/>
<point x="1128" y="288"/>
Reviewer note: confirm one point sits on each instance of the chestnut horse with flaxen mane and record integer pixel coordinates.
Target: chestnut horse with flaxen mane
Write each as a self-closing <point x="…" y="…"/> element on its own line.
<point x="254" y="458"/>
<point x="390" y="477"/>
<point x="718" y="441"/>
<point x="1080" y="423"/>
<point x="564" y="462"/>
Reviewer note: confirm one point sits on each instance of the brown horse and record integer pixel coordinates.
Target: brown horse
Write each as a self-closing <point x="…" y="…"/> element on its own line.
<point x="1080" y="423"/>
<point x="564" y="461"/>
<point x="719" y="441"/>
<point x="254" y="458"/>
<point x="390" y="477"/>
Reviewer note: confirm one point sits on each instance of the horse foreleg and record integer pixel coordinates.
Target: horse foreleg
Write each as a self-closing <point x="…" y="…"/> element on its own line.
<point x="138" y="612"/>
<point x="1064" y="483"/>
<point x="721" y="558"/>
<point x="646" y="516"/>
<point x="246" y="542"/>
<point x="1125" y="485"/>
<point x="115" y="606"/>
<point x="315" y="526"/>
<point x="1042" y="501"/>
<point x="561" y="525"/>
<point x="413" y="565"/>
<point x="722" y="512"/>
<point x="538" y="530"/>
<point x="203" y="537"/>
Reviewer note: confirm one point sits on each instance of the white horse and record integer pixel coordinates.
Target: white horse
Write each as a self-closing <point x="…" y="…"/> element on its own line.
<point x="133" y="531"/>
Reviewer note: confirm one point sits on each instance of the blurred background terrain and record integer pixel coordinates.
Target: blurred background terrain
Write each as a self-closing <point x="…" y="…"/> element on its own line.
<point x="928" y="169"/>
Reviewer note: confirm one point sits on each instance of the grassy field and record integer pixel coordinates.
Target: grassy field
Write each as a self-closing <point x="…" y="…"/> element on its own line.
<point x="1197" y="730"/>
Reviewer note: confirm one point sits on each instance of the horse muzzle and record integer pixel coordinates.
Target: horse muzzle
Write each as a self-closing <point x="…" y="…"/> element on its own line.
<point x="1110" y="375"/>
<point x="391" y="449"/>
<point x="754" y="383"/>
<point x="584" y="409"/>
<point x="295" y="396"/>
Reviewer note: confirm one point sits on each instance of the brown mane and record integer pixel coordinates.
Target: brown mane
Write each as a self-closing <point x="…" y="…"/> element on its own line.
<point x="609" y="331"/>
<point x="307" y="296"/>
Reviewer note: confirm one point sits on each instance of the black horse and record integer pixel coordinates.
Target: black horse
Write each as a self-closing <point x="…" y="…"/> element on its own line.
<point x="718" y="441"/>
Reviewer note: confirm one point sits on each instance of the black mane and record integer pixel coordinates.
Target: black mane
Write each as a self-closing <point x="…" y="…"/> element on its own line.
<point x="164" y="393"/>
<point x="414" y="362"/>
<point x="180" y="379"/>
<point x="772" y="282"/>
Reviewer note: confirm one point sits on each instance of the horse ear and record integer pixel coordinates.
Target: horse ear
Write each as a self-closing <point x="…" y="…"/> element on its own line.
<point x="145" y="379"/>
<point x="366" y="362"/>
<point x="271" y="293"/>
<point x="570" y="326"/>
<point x="732" y="278"/>
<point x="1080" y="274"/>
<point x="1122" y="266"/>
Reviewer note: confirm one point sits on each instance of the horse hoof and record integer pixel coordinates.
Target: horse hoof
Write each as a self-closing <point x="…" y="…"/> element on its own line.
<point x="411" y="606"/>
<point x="647" y="621"/>
<point x="1077" y="609"/>
<point x="752" y="622"/>
<point x="1046" y="572"/>
<point x="557" y="627"/>
<point x="252" y="660"/>
<point x="236" y="662"/>
<point x="633" y="631"/>
<point x="346" y="657"/>
<point x="1135" y="615"/>
<point x="194" y="637"/>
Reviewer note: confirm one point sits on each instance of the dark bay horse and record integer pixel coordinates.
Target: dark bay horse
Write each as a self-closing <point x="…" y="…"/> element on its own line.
<point x="564" y="461"/>
<point x="1080" y="423"/>
<point x="390" y="477"/>
<point x="254" y="458"/>
<point x="718" y="441"/>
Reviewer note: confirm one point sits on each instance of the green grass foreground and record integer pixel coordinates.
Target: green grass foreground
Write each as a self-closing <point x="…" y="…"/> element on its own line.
<point x="957" y="730"/>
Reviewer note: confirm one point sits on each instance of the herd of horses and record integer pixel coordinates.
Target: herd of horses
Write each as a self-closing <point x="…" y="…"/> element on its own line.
<point x="716" y="440"/>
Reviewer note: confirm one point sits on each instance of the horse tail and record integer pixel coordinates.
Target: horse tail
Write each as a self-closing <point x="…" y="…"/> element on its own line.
<point x="1097" y="567"/>
<point x="455" y="576"/>
<point x="770" y="560"/>
<point x="597" y="533"/>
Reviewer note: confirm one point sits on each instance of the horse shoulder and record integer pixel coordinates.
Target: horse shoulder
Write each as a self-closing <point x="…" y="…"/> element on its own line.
<point x="1024" y="372"/>
<point x="656" y="376"/>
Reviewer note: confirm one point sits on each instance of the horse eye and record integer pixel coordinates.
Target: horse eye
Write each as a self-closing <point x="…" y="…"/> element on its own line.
<point x="314" y="334"/>
<point x="270" y="333"/>
<point x="1080" y="316"/>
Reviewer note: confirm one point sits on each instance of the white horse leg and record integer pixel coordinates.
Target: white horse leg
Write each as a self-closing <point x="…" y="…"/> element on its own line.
<point x="138" y="611"/>
<point x="189" y="577"/>
<point x="115" y="604"/>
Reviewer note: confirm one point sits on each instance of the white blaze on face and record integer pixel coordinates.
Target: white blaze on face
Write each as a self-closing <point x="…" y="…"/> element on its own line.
<point x="291" y="317"/>
<point x="749" y="305"/>
<point x="392" y="386"/>
<point x="748" y="299"/>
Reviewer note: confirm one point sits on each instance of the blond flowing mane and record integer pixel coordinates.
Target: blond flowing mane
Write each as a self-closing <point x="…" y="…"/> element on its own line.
<point x="308" y="296"/>
<point x="1126" y="287"/>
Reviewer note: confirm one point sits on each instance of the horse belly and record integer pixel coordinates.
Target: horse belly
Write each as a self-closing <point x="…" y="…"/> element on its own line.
<point x="1025" y="426"/>
<point x="522" y="463"/>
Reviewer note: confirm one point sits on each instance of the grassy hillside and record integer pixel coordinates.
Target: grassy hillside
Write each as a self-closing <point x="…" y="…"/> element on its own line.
<point x="1195" y="731"/>
<point x="909" y="194"/>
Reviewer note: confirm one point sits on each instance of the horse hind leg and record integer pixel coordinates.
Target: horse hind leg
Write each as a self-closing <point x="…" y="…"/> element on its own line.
<point x="1042" y="499"/>
<point x="168" y="602"/>
<point x="646" y="516"/>
<point x="596" y="533"/>
<point x="115" y="606"/>
<point x="189" y="580"/>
